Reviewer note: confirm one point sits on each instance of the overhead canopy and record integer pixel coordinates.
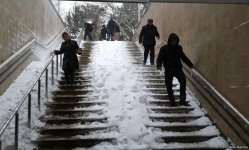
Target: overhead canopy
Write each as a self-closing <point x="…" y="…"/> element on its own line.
<point x="172" y="1"/>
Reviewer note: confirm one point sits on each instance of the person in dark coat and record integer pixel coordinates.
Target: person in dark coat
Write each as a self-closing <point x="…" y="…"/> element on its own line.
<point x="147" y="37"/>
<point x="103" y="33"/>
<point x="171" y="56"/>
<point x="113" y="30"/>
<point x="88" y="30"/>
<point x="70" y="49"/>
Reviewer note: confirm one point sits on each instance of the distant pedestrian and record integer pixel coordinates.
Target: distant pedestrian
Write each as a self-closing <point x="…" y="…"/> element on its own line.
<point x="171" y="56"/>
<point x="147" y="38"/>
<point x="88" y="31"/>
<point x="70" y="49"/>
<point x="113" y="30"/>
<point x="103" y="33"/>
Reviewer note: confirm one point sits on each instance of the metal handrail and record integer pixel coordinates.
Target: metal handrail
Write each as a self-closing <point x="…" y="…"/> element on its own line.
<point x="226" y="105"/>
<point x="28" y="94"/>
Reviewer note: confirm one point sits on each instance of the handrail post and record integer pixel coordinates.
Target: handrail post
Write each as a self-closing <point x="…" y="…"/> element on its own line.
<point x="57" y="65"/>
<point x="29" y="110"/>
<point x="39" y="92"/>
<point x="16" y="130"/>
<point x="46" y="81"/>
<point x="0" y="144"/>
<point x="60" y="60"/>
<point x="52" y="72"/>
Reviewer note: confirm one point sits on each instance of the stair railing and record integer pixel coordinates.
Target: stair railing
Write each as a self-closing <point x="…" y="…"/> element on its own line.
<point x="27" y="96"/>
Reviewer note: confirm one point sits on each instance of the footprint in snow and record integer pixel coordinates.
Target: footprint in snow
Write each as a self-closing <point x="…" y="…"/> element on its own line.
<point x="128" y="102"/>
<point x="109" y="74"/>
<point x="114" y="89"/>
<point x="122" y="78"/>
<point x="100" y="85"/>
<point x="105" y="96"/>
<point x="121" y="87"/>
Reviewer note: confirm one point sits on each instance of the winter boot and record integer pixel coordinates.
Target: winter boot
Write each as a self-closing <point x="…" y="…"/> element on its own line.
<point x="184" y="103"/>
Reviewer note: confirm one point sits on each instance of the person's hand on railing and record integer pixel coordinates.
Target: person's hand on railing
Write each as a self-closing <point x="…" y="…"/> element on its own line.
<point x="52" y="53"/>
<point x="56" y="52"/>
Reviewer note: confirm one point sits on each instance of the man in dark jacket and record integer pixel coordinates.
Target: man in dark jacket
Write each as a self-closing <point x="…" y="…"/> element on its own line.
<point x="112" y="29"/>
<point x="70" y="60"/>
<point x="103" y="33"/>
<point x="88" y="30"/>
<point x="147" y="37"/>
<point x="171" y="56"/>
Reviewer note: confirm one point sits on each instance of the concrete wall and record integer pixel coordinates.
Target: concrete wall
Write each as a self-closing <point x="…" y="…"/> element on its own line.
<point x="216" y="38"/>
<point x="23" y="20"/>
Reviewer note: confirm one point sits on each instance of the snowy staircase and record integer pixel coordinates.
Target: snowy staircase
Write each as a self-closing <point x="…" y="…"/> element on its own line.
<point x="76" y="114"/>
<point x="177" y="127"/>
<point x="73" y="118"/>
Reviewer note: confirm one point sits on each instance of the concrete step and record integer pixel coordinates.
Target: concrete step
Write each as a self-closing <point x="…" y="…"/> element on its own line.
<point x="151" y="77"/>
<point x="160" y="90"/>
<point x="74" y="87"/>
<point x="154" y="81"/>
<point x="73" y="92"/>
<point x="187" y="139"/>
<point x="71" y="100"/>
<point x="170" y="119"/>
<point x="78" y="111"/>
<point x="75" y="82"/>
<point x="74" y="97"/>
<point x="64" y="131"/>
<point x="160" y="102"/>
<point x="156" y="72"/>
<point x="169" y="110"/>
<point x="177" y="127"/>
<point x="71" y="142"/>
<point x="74" y="120"/>
<point x="162" y="96"/>
<point x="71" y="105"/>
<point x="78" y="77"/>
<point x="80" y="72"/>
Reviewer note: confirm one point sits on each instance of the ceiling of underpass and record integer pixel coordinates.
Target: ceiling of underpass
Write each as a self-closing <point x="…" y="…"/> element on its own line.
<point x="172" y="1"/>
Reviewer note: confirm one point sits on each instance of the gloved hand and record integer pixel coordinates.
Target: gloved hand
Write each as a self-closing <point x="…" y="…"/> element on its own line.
<point x="55" y="52"/>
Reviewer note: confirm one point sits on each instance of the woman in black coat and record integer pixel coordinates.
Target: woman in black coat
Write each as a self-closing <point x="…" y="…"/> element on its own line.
<point x="69" y="48"/>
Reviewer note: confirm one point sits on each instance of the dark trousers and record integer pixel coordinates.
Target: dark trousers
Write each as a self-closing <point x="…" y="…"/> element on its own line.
<point x="88" y="34"/>
<point x="103" y="37"/>
<point x="181" y="79"/>
<point x="69" y="75"/>
<point x="148" y="49"/>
